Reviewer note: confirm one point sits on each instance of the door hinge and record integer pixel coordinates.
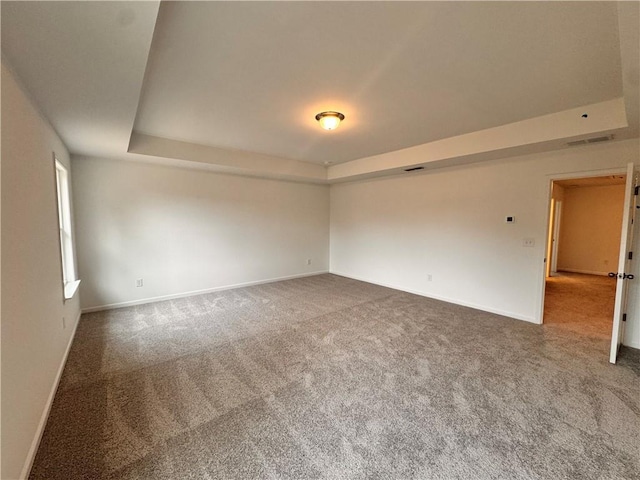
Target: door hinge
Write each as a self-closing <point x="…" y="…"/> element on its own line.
<point x="624" y="317"/>
<point x="635" y="190"/>
<point x="630" y="256"/>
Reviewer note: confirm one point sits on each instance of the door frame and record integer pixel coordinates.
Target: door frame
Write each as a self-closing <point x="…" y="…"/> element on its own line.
<point x="550" y="179"/>
<point x="555" y="215"/>
<point x="555" y="245"/>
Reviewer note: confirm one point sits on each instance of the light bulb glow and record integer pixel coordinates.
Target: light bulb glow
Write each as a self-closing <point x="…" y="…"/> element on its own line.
<point x="329" y="120"/>
<point x="329" y="123"/>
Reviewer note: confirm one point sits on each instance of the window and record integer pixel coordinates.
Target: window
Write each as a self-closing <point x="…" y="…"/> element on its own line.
<point x="66" y="236"/>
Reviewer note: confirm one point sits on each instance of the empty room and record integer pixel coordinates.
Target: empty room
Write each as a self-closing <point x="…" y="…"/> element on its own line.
<point x="320" y="240"/>
<point x="584" y="246"/>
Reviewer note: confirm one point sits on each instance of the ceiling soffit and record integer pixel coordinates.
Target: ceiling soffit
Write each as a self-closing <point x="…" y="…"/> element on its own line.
<point x="251" y="76"/>
<point x="235" y="86"/>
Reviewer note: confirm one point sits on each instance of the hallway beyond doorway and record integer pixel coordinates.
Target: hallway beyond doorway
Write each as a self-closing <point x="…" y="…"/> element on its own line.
<point x="580" y="303"/>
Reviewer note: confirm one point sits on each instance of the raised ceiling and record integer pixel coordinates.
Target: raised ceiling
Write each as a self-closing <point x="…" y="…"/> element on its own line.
<point x="235" y="85"/>
<point x="252" y="76"/>
<point x="83" y="62"/>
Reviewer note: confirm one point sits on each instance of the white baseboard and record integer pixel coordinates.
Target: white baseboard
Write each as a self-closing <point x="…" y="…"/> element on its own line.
<point x="445" y="299"/>
<point x="635" y="345"/>
<point x="192" y="293"/>
<point x="26" y="469"/>
<point x="585" y="272"/>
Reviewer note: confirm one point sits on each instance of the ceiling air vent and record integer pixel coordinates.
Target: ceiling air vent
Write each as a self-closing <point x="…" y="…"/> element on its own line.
<point x="413" y="169"/>
<point x="587" y="141"/>
<point x="606" y="138"/>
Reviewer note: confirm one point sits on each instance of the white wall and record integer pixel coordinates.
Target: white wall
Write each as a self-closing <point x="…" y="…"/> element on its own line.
<point x="590" y="229"/>
<point x="34" y="342"/>
<point x="450" y="224"/>
<point x="183" y="230"/>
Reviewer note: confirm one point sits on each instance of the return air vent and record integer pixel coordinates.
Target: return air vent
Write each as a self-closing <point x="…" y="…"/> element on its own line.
<point x="413" y="169"/>
<point x="587" y="141"/>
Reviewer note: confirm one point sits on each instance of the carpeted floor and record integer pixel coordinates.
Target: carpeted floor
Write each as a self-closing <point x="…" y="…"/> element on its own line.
<point x="580" y="303"/>
<point x="327" y="377"/>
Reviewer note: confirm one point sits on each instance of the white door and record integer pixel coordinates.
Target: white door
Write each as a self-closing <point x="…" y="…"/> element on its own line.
<point x="622" y="284"/>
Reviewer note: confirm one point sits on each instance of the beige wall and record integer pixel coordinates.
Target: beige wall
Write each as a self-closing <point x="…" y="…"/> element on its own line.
<point x="590" y="229"/>
<point x="557" y="192"/>
<point x="34" y="341"/>
<point x="184" y="230"/>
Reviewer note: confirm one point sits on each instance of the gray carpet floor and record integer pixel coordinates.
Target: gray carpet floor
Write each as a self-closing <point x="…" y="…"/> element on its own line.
<point x="327" y="377"/>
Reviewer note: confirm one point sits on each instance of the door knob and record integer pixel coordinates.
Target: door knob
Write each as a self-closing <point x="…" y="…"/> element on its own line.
<point x="628" y="276"/>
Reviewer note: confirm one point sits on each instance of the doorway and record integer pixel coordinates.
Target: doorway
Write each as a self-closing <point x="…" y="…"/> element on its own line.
<point x="583" y="248"/>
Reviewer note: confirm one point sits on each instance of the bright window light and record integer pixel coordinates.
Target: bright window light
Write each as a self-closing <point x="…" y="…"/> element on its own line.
<point x="69" y="280"/>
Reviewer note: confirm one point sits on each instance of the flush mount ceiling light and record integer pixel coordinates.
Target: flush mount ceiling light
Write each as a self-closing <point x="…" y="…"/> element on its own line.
<point x="329" y="120"/>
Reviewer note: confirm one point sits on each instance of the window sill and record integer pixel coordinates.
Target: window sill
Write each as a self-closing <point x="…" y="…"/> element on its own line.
<point x="70" y="289"/>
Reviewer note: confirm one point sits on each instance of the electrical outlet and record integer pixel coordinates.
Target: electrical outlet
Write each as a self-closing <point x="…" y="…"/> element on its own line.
<point x="64" y="322"/>
<point x="139" y="282"/>
<point x="308" y="261"/>
<point x="429" y="278"/>
<point x="529" y="242"/>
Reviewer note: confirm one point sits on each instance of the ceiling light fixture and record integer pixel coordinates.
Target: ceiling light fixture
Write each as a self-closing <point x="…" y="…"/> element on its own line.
<point x="329" y="120"/>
